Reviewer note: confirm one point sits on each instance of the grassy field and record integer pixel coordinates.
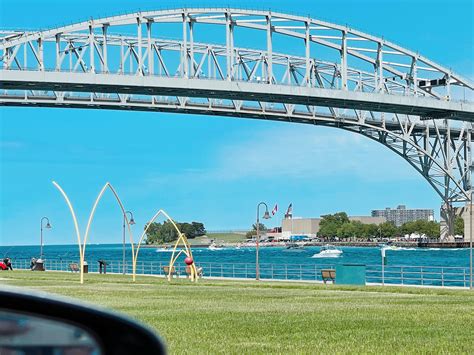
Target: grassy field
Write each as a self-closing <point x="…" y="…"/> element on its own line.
<point x="227" y="237"/>
<point x="217" y="237"/>
<point x="232" y="317"/>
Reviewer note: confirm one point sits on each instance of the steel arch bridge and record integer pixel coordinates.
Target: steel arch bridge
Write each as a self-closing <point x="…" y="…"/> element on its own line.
<point x="254" y="64"/>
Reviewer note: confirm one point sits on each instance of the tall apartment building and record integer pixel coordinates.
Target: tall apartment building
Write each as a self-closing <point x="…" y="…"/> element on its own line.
<point x="402" y="215"/>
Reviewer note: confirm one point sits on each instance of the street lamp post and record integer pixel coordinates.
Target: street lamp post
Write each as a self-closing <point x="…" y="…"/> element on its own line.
<point x="47" y="226"/>
<point x="132" y="222"/>
<point x="265" y="216"/>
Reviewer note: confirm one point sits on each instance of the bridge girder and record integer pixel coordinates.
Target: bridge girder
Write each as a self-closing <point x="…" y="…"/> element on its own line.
<point x="340" y="77"/>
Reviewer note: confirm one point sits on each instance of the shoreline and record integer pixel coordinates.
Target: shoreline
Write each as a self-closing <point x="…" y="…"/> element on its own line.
<point x="441" y="245"/>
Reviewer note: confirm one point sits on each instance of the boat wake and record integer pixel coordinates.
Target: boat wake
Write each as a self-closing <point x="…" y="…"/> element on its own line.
<point x="319" y="256"/>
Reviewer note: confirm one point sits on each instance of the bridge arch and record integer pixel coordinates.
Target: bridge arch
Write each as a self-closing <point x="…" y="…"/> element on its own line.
<point x="340" y="78"/>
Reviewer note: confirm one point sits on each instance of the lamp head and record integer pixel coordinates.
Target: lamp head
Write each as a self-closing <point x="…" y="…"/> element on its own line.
<point x="266" y="215"/>
<point x="132" y="221"/>
<point x="48" y="225"/>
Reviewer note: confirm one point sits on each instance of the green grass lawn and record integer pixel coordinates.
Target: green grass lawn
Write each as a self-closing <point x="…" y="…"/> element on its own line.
<point x="227" y="237"/>
<point x="234" y="317"/>
<point x="218" y="237"/>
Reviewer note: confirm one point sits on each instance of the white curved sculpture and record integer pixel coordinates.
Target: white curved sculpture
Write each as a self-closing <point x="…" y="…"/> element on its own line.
<point x="181" y="238"/>
<point x="82" y="248"/>
<point x="82" y="243"/>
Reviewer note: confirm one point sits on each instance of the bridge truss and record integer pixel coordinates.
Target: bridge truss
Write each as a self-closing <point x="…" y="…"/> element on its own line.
<point x="254" y="64"/>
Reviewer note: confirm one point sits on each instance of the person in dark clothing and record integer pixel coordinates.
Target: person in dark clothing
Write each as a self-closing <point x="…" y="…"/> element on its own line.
<point x="8" y="263"/>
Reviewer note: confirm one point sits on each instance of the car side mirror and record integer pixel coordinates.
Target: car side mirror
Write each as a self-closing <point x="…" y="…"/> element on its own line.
<point x="46" y="324"/>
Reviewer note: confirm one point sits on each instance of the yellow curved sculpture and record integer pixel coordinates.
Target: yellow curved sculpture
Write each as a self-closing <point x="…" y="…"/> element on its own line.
<point x="187" y="252"/>
<point x="76" y="226"/>
<point x="181" y="238"/>
<point x="82" y="248"/>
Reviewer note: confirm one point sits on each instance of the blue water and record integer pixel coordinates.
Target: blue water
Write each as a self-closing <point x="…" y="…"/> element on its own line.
<point x="268" y="255"/>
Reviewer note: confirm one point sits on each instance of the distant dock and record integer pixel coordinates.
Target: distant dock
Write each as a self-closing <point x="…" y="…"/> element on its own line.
<point x="448" y="245"/>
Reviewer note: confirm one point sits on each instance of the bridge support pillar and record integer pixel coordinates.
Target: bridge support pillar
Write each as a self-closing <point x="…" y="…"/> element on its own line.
<point x="447" y="214"/>
<point x="465" y="213"/>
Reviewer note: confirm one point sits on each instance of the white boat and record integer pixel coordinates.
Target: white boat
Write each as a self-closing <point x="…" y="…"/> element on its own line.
<point x="214" y="246"/>
<point x="161" y="250"/>
<point x="328" y="251"/>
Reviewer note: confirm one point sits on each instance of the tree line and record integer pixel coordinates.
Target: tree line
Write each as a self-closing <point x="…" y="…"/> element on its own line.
<point x="160" y="233"/>
<point x="339" y="225"/>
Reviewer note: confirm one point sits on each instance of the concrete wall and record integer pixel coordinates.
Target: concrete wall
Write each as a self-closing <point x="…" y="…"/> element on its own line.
<point x="368" y="219"/>
<point x="464" y="212"/>
<point x="301" y="225"/>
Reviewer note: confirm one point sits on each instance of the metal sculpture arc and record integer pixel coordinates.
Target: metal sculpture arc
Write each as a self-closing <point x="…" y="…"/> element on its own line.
<point x="254" y="64"/>
<point x="82" y="242"/>
<point x="182" y="240"/>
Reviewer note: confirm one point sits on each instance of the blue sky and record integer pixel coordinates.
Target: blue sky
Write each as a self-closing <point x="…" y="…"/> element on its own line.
<point x="209" y="169"/>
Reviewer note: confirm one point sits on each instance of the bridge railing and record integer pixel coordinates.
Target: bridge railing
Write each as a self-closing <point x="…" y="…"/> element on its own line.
<point x="443" y="276"/>
<point x="257" y="80"/>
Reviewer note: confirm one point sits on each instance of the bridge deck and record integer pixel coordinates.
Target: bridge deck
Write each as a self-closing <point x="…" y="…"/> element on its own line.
<point x="177" y="86"/>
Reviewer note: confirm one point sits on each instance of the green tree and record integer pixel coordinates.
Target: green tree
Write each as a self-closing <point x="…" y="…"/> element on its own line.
<point x="198" y="228"/>
<point x="387" y="230"/>
<point x="159" y="233"/>
<point x="428" y="228"/>
<point x="459" y="225"/>
<point x="370" y="230"/>
<point x="253" y="232"/>
<point x="352" y="229"/>
<point x="329" y="225"/>
<point x="261" y="227"/>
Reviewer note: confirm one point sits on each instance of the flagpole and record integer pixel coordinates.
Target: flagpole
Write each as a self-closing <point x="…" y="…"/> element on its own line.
<point x="291" y="222"/>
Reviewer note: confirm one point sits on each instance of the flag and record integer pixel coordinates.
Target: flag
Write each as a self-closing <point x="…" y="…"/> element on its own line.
<point x="275" y="209"/>
<point x="289" y="211"/>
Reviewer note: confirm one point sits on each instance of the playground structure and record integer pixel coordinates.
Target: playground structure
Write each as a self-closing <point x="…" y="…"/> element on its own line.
<point x="186" y="249"/>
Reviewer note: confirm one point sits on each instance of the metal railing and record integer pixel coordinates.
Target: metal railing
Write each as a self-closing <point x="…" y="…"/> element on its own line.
<point x="418" y="275"/>
<point x="390" y="274"/>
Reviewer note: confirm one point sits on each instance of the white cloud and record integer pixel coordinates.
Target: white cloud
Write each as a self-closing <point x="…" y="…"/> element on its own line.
<point x="302" y="152"/>
<point x="307" y="152"/>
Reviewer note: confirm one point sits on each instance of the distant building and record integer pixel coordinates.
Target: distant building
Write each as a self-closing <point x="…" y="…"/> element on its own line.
<point x="402" y="215"/>
<point x="310" y="226"/>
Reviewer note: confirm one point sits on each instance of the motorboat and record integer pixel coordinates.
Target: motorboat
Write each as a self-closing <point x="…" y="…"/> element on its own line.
<point x="214" y="246"/>
<point x="328" y="251"/>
